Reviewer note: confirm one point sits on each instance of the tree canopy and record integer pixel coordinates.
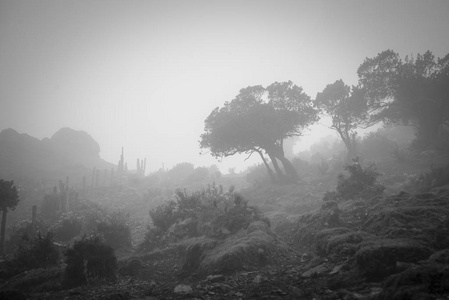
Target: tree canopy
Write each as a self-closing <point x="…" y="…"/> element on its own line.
<point x="258" y="120"/>
<point x="9" y="198"/>
<point x="410" y="91"/>
<point x="347" y="109"/>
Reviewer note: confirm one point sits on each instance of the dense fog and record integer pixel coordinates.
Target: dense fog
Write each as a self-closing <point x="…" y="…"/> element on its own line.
<point x="224" y="150"/>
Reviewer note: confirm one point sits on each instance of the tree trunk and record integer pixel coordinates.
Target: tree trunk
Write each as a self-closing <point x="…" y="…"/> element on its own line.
<point x="270" y="172"/>
<point x="351" y="144"/>
<point x="3" y="229"/>
<point x="276" y="167"/>
<point x="351" y="151"/>
<point x="289" y="169"/>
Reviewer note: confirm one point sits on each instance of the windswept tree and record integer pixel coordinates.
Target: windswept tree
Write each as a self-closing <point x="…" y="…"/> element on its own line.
<point x="412" y="92"/>
<point x="258" y="120"/>
<point x="347" y="109"/>
<point x="9" y="198"/>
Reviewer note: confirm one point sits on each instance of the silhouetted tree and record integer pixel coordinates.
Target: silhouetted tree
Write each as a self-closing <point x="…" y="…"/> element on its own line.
<point x="413" y="92"/>
<point x="347" y="108"/>
<point x="258" y="120"/>
<point x="9" y="198"/>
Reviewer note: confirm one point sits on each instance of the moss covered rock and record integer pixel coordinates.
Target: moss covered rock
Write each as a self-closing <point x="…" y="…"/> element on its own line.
<point x="339" y="241"/>
<point x="421" y="218"/>
<point x="255" y="246"/>
<point x="429" y="281"/>
<point x="377" y="258"/>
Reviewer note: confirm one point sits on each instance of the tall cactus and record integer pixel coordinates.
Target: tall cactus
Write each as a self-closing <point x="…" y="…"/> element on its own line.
<point x="121" y="163"/>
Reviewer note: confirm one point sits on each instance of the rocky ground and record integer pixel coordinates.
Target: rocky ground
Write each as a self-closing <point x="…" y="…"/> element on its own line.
<point x="394" y="247"/>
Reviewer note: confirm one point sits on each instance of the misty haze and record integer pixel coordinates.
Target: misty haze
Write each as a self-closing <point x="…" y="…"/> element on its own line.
<point x="224" y="149"/>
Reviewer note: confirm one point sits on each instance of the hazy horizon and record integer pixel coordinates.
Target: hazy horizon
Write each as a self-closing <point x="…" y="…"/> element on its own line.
<point x="144" y="75"/>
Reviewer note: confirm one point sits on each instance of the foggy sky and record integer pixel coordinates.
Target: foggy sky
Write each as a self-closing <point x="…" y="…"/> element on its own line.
<point x="145" y="74"/>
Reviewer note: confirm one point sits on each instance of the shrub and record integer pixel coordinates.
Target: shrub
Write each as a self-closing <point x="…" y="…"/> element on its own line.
<point x="376" y="144"/>
<point x="23" y="229"/>
<point x="115" y="230"/>
<point x="89" y="259"/>
<point x="32" y="253"/>
<point x="163" y="216"/>
<point x="301" y="166"/>
<point x="258" y="175"/>
<point x="206" y="212"/>
<point x="67" y="227"/>
<point x="361" y="183"/>
<point x="238" y="217"/>
<point x="425" y="182"/>
<point x="152" y="239"/>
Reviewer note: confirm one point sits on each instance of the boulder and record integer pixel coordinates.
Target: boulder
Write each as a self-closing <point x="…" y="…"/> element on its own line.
<point x="377" y="258"/>
<point x="183" y="289"/>
<point x="425" y="219"/>
<point x="254" y="246"/>
<point x="339" y="241"/>
<point x="428" y="281"/>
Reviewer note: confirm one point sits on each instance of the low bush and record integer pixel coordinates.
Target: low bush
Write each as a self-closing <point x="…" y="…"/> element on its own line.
<point x="32" y="253"/>
<point x="163" y="216"/>
<point x="210" y="212"/>
<point x="88" y="260"/>
<point x="115" y="230"/>
<point x="237" y="217"/>
<point x="425" y="182"/>
<point x="376" y="145"/>
<point x="21" y="230"/>
<point x="67" y="227"/>
<point x="257" y="175"/>
<point x="361" y="183"/>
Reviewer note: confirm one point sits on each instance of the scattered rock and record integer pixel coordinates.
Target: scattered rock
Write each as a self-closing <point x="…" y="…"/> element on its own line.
<point x="257" y="280"/>
<point x="440" y="257"/>
<point x="183" y="289"/>
<point x="318" y="270"/>
<point x="215" y="278"/>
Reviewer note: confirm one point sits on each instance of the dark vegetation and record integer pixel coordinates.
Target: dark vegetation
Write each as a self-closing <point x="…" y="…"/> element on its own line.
<point x="350" y="218"/>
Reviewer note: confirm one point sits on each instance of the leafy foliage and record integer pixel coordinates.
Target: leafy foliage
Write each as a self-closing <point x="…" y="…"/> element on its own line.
<point x="115" y="230"/>
<point x="9" y="195"/>
<point x="23" y="229"/>
<point x="67" y="227"/>
<point x="413" y="91"/>
<point x="9" y="198"/>
<point x="347" y="108"/>
<point x="210" y="212"/>
<point x="376" y="144"/>
<point x="258" y="120"/>
<point x="89" y="259"/>
<point x="33" y="252"/>
<point x="361" y="183"/>
<point x="425" y="182"/>
<point x="238" y="216"/>
<point x="257" y="175"/>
